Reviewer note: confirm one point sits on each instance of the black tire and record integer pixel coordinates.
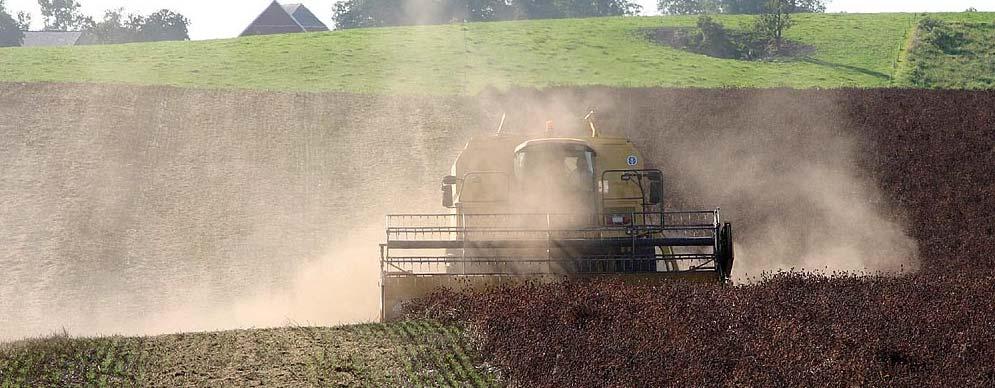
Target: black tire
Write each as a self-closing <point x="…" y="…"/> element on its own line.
<point x="725" y="256"/>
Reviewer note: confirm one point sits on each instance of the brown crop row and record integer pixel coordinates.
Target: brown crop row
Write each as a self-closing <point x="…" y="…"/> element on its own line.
<point x="931" y="154"/>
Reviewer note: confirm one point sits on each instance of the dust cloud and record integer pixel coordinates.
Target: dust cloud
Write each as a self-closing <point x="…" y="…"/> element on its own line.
<point x="338" y="287"/>
<point x="791" y="178"/>
<point x="784" y="168"/>
<point x="145" y="210"/>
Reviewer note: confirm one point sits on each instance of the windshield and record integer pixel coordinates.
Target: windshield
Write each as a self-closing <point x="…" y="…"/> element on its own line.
<point x="556" y="168"/>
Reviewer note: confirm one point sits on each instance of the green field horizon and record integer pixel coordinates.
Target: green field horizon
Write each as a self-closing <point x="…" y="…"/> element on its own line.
<point x="851" y="50"/>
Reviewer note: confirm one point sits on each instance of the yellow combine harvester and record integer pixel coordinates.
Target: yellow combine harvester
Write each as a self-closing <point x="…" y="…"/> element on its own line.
<point x="544" y="209"/>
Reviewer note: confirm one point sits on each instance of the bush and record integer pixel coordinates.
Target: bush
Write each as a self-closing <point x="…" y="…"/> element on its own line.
<point x="710" y="38"/>
<point x="713" y="39"/>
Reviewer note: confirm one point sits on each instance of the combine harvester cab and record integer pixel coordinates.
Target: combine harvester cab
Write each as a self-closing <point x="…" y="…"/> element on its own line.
<point x="545" y="210"/>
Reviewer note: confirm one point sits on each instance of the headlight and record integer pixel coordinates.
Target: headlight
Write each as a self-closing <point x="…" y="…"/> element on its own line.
<point x="618" y="219"/>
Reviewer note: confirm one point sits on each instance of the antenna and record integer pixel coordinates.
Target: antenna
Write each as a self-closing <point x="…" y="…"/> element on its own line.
<point x="466" y="51"/>
<point x="501" y="126"/>
<point x="590" y="122"/>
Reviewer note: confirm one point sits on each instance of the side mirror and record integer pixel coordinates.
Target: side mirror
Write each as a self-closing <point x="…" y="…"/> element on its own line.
<point x="656" y="190"/>
<point x="656" y="193"/>
<point x="447" y="196"/>
<point x="447" y="190"/>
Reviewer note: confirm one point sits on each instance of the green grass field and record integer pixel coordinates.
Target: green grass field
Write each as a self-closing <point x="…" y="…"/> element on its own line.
<point x="415" y="353"/>
<point x="858" y="50"/>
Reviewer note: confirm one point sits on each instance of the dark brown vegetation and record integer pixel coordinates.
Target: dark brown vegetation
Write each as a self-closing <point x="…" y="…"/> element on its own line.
<point x="932" y="154"/>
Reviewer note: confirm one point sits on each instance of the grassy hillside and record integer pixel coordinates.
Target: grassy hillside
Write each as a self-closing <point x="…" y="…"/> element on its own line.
<point x="861" y="50"/>
<point x="402" y="354"/>
<point x="958" y="54"/>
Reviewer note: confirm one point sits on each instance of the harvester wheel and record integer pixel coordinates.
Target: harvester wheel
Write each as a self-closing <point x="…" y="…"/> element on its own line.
<point x="726" y="255"/>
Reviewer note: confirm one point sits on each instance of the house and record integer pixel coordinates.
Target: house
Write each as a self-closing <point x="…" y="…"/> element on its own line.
<point x="52" y="38"/>
<point x="284" y="19"/>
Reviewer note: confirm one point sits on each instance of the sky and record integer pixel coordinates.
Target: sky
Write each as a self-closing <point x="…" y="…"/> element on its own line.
<point x="214" y="19"/>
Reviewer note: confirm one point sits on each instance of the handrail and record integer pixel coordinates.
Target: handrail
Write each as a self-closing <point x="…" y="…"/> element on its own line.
<point x="507" y="185"/>
<point x="642" y="191"/>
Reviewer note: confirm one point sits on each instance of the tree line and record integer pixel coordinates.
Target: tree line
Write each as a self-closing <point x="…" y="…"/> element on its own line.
<point x="379" y="13"/>
<point x="744" y="7"/>
<point x="118" y="27"/>
<point x="115" y="27"/>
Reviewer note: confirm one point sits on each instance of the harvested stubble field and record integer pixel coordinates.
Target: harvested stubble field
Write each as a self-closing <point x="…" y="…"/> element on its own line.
<point x="143" y="210"/>
<point x="398" y="354"/>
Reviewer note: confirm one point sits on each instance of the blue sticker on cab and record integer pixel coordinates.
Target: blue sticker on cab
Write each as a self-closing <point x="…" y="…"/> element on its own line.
<point x="632" y="160"/>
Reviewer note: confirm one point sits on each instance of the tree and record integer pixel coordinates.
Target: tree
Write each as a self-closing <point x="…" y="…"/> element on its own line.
<point x="756" y="7"/>
<point x="688" y="7"/>
<point x="11" y="34"/>
<point x="24" y="21"/>
<point x="588" y="8"/>
<point x="809" y="6"/>
<point x="487" y="10"/>
<point x="377" y="13"/>
<point x="116" y="28"/>
<point x="63" y="15"/>
<point x="748" y="7"/>
<point x="164" y="25"/>
<point x="372" y="13"/>
<point x="773" y="20"/>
